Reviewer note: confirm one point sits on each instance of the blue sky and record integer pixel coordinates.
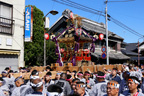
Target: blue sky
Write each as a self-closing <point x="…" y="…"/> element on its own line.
<point x="129" y="13"/>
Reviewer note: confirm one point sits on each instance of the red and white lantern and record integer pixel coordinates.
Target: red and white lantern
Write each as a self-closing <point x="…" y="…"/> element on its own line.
<point x="46" y="36"/>
<point x="101" y="36"/>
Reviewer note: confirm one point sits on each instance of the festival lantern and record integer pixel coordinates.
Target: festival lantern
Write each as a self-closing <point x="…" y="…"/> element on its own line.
<point x="46" y="36"/>
<point x="101" y="36"/>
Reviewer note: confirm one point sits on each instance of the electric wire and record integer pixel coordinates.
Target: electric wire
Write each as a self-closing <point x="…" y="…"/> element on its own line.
<point x="78" y="7"/>
<point x="87" y="9"/>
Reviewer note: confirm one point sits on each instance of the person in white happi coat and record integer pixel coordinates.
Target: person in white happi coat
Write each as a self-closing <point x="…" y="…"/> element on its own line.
<point x="80" y="89"/>
<point x="21" y="89"/>
<point x="99" y="89"/>
<point x="80" y="77"/>
<point x="37" y="86"/>
<point x="47" y="79"/>
<point x="113" y="89"/>
<point x="88" y="81"/>
<point x="54" y="90"/>
<point x="133" y="83"/>
<point x="1" y="92"/>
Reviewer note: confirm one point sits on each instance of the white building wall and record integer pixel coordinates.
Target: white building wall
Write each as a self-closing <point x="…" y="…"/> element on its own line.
<point x="17" y="38"/>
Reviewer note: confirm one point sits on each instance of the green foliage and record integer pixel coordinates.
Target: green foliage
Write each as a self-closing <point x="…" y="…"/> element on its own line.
<point x="51" y="56"/>
<point x="34" y="51"/>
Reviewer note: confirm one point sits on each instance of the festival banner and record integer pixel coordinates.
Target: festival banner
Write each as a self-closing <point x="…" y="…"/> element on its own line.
<point x="28" y="24"/>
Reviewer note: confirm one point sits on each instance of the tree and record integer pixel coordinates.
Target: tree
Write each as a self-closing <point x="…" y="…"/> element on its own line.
<point x="33" y="53"/>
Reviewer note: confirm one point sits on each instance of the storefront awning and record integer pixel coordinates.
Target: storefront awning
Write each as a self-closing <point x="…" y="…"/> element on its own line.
<point x="9" y="52"/>
<point x="112" y="55"/>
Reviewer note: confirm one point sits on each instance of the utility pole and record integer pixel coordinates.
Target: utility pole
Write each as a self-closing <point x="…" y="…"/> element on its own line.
<point x="106" y="27"/>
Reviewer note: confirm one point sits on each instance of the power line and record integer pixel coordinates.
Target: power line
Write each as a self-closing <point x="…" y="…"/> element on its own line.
<point x="78" y="7"/>
<point x="129" y="29"/>
<point x="82" y="5"/>
<point x="87" y="9"/>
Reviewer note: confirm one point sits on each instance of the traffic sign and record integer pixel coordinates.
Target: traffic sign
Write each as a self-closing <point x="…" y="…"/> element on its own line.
<point x="103" y="49"/>
<point x="103" y="55"/>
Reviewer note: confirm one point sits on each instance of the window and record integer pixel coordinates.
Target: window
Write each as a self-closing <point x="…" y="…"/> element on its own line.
<point x="6" y="22"/>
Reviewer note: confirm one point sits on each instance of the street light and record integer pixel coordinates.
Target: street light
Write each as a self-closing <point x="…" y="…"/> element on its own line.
<point x="53" y="12"/>
<point x="139" y="52"/>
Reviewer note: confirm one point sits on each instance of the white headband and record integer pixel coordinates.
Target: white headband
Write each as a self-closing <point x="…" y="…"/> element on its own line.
<point x="36" y="85"/>
<point x="34" y="77"/>
<point x="135" y="81"/>
<point x="113" y="84"/>
<point x="54" y="94"/>
<point x="79" y="85"/>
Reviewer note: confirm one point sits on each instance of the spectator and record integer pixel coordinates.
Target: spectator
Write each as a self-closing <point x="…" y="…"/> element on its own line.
<point x="113" y="89"/>
<point x="1" y="92"/>
<point x="68" y="72"/>
<point x="21" y="89"/>
<point x="37" y="86"/>
<point x="64" y="84"/>
<point x="123" y="85"/>
<point x="73" y="85"/>
<point x="48" y="69"/>
<point x="69" y="78"/>
<point x="57" y="77"/>
<point x="99" y="89"/>
<point x="48" y="80"/>
<point x="114" y="76"/>
<point x="7" y="69"/>
<point x="54" y="90"/>
<point x="125" y="67"/>
<point x="133" y="83"/>
<point x="88" y="81"/>
<point x="106" y="73"/>
<point x="80" y="89"/>
<point x="80" y="77"/>
<point x="73" y="74"/>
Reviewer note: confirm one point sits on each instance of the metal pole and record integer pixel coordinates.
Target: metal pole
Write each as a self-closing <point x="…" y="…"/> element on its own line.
<point x="107" y="52"/>
<point x="44" y="48"/>
<point x="138" y="55"/>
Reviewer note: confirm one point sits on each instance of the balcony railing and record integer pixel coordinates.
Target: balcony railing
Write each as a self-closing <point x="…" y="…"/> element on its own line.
<point x="6" y="25"/>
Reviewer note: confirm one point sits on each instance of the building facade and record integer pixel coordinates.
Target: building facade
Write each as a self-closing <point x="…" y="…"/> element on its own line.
<point x="131" y="50"/>
<point x="12" y="33"/>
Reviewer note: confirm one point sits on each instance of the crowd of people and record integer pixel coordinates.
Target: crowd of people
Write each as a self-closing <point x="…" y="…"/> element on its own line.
<point x="126" y="82"/>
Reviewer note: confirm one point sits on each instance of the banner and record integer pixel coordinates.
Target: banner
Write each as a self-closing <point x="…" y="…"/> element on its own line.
<point x="28" y="24"/>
